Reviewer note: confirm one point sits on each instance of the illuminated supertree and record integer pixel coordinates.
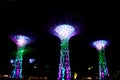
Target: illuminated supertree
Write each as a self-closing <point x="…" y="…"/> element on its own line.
<point x="64" y="32"/>
<point x="21" y="41"/>
<point x="103" y="69"/>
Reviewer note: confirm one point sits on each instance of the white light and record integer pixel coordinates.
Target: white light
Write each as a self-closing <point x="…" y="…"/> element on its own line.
<point x="100" y="44"/>
<point x="31" y="60"/>
<point x="89" y="78"/>
<point x="21" y="40"/>
<point x="75" y="75"/>
<point x="64" y="31"/>
<point x="5" y="75"/>
<point x="91" y="67"/>
<point x="35" y="66"/>
<point x="12" y="61"/>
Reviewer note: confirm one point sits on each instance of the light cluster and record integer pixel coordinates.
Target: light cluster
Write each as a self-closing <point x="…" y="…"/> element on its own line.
<point x="31" y="61"/>
<point x="64" y="32"/>
<point x="21" y="41"/>
<point x="100" y="44"/>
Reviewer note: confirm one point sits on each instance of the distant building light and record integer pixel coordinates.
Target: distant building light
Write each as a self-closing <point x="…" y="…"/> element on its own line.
<point x="96" y="77"/>
<point x="5" y="75"/>
<point x="35" y="66"/>
<point x="41" y="77"/>
<point x="89" y="78"/>
<point x="45" y="78"/>
<point x="91" y="67"/>
<point x="75" y="75"/>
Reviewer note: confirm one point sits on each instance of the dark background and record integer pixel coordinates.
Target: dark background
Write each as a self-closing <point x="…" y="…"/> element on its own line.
<point x="94" y="20"/>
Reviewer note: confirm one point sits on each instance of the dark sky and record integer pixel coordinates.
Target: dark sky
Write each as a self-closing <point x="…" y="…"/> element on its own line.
<point x="94" y="21"/>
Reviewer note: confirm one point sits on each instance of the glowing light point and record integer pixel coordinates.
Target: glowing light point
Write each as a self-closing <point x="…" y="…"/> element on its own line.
<point x="64" y="32"/>
<point x="75" y="75"/>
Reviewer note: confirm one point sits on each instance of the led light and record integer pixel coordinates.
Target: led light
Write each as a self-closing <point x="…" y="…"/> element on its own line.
<point x="103" y="69"/>
<point x="21" y="41"/>
<point x="31" y="61"/>
<point x="64" y="32"/>
<point x="100" y="44"/>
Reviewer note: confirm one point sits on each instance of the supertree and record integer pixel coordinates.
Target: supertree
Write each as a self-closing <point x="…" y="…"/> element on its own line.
<point x="64" y="32"/>
<point x="21" y="41"/>
<point x="103" y="69"/>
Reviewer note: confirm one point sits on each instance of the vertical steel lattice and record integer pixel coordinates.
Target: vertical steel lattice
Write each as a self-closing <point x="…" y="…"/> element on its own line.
<point x="64" y="65"/>
<point x="17" y="71"/>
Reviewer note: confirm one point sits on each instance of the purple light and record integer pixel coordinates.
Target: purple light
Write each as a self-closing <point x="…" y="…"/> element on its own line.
<point x="100" y="44"/>
<point x="64" y="31"/>
<point x="21" y="40"/>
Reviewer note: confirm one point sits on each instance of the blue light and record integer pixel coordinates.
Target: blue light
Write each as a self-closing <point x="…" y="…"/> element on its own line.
<point x="31" y="61"/>
<point x="12" y="61"/>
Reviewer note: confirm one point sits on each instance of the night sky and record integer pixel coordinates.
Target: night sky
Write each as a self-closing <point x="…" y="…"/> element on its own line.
<point x="35" y="19"/>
